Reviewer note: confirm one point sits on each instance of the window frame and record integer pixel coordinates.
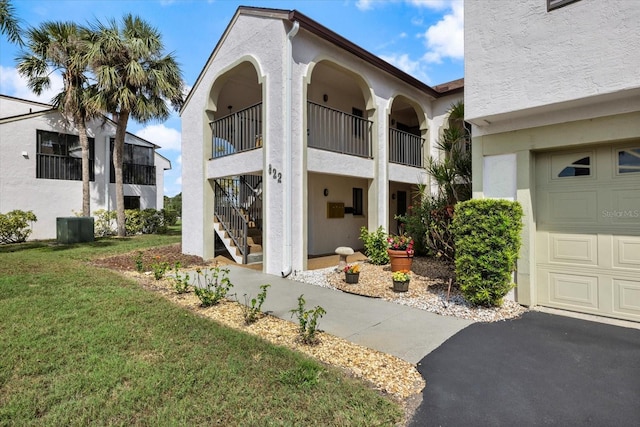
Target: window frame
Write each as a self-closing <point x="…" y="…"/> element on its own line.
<point x="132" y="171"/>
<point x="557" y="4"/>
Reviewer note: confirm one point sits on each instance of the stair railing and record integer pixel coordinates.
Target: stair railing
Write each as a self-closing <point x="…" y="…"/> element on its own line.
<point x="228" y="212"/>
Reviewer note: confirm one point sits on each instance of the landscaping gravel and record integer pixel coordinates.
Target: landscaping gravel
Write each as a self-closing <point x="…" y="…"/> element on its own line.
<point x="428" y="289"/>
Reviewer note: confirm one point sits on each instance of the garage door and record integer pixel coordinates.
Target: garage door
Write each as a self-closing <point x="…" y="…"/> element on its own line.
<point x="588" y="230"/>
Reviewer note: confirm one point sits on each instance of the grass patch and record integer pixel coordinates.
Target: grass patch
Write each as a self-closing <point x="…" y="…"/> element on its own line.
<point x="82" y="345"/>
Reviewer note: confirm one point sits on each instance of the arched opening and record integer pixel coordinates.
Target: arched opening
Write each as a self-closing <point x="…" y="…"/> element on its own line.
<point x="407" y="133"/>
<point x="235" y="111"/>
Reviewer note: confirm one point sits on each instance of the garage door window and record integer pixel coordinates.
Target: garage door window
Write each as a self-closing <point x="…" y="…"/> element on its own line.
<point x="581" y="167"/>
<point x="629" y="160"/>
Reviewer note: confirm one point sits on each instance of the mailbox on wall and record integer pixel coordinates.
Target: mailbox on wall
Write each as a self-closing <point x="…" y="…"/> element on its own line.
<point x="335" y="210"/>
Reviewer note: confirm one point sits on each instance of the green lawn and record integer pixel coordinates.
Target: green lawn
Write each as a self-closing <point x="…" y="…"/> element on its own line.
<point x="81" y="345"/>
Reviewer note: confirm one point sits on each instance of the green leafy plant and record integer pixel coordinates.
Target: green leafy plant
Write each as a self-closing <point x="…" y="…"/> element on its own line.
<point x="487" y="239"/>
<point x="375" y="245"/>
<point x="159" y="268"/>
<point x="15" y="227"/>
<point x="308" y="321"/>
<point x="253" y="308"/>
<point x="215" y="287"/>
<point x="181" y="283"/>
<point x="138" y="261"/>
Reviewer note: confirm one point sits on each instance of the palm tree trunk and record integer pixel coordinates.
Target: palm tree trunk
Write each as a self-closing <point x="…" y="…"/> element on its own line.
<point x="86" y="178"/>
<point x="118" y="148"/>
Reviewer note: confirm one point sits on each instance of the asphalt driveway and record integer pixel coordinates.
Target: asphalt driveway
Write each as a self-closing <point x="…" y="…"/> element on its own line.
<point x="541" y="369"/>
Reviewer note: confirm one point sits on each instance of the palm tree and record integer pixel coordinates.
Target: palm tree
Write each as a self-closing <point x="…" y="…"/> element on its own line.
<point x="61" y="46"/>
<point x="134" y="79"/>
<point x="9" y="23"/>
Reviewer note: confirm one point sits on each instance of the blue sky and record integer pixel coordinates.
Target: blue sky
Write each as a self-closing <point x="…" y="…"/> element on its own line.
<point x="422" y="37"/>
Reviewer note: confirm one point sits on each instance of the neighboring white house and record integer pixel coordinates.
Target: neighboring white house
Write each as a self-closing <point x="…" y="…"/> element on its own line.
<point x="296" y="138"/>
<point x="41" y="166"/>
<point x="552" y="89"/>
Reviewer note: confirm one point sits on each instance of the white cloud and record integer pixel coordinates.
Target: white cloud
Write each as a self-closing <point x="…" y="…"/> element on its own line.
<point x="431" y="4"/>
<point x="445" y="39"/>
<point x="179" y="180"/>
<point x="179" y="159"/>
<point x="402" y="61"/>
<point x="13" y="84"/>
<point x="166" y="138"/>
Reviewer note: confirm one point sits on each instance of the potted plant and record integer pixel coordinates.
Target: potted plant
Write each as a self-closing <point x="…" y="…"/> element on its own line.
<point x="401" y="280"/>
<point x="400" y="250"/>
<point x="352" y="273"/>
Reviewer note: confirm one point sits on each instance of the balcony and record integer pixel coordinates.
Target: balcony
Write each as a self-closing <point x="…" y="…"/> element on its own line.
<point x="52" y="166"/>
<point x="405" y="148"/>
<point x="336" y="131"/>
<point x="237" y="132"/>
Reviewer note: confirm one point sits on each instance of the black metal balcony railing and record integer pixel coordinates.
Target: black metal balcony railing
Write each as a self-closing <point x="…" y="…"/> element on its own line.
<point x="51" y="166"/>
<point x="237" y="132"/>
<point x="334" y="130"/>
<point x="405" y="148"/>
<point x="135" y="174"/>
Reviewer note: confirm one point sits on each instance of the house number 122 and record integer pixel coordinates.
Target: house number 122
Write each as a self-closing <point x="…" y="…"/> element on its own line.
<point x="275" y="174"/>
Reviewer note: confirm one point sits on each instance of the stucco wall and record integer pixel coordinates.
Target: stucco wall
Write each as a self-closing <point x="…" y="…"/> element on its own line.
<point x="52" y="198"/>
<point x="518" y="55"/>
<point x="326" y="234"/>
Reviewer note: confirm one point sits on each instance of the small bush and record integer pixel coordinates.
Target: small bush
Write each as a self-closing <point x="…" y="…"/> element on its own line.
<point x="15" y="227"/>
<point x="170" y="217"/>
<point x="159" y="268"/>
<point x="487" y="239"/>
<point x="308" y="321"/>
<point x="105" y="223"/>
<point x="252" y="309"/>
<point x="375" y="245"/>
<point x="181" y="283"/>
<point x="216" y="286"/>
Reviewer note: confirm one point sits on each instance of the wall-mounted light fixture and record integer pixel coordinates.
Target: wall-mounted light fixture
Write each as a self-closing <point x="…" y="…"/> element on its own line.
<point x="325" y="97"/>
<point x="326" y="192"/>
<point x="393" y="196"/>
<point x="25" y="154"/>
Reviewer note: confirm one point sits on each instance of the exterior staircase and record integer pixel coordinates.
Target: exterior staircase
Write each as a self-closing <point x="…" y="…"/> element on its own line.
<point x="238" y="217"/>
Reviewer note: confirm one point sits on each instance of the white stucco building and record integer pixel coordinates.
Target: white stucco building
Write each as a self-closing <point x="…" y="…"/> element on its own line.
<point x="296" y="138"/>
<point x="41" y="166"/>
<point x="552" y="89"/>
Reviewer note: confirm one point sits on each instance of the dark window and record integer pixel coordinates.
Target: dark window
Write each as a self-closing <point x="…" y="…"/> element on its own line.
<point x="629" y="160"/>
<point x="555" y="4"/>
<point x="581" y="167"/>
<point x="132" y="202"/>
<point x="137" y="165"/>
<point x="59" y="156"/>
<point x="358" y="207"/>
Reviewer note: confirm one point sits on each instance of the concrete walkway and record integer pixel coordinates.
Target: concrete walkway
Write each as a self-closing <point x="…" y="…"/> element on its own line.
<point x="402" y="331"/>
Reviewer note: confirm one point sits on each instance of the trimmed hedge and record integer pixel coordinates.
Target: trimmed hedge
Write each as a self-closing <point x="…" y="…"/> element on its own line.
<point x="147" y="221"/>
<point x="487" y="240"/>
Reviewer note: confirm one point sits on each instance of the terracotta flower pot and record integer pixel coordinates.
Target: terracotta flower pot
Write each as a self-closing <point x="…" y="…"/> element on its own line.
<point x="400" y="286"/>
<point x="400" y="260"/>
<point x="351" y="278"/>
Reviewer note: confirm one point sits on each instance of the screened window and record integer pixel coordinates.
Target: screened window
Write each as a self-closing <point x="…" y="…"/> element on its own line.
<point x="59" y="156"/>
<point x="137" y="165"/>
<point x="581" y="167"/>
<point x="132" y="202"/>
<point x="629" y="160"/>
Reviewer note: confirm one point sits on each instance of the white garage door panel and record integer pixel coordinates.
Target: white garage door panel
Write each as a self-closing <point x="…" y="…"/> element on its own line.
<point x="580" y="206"/>
<point x="588" y="232"/>
<point x="626" y="252"/>
<point x="573" y="249"/>
<point x="574" y="290"/>
<point x="626" y="296"/>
